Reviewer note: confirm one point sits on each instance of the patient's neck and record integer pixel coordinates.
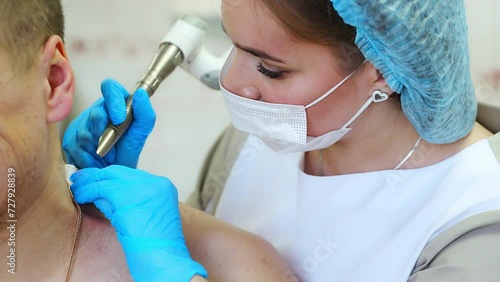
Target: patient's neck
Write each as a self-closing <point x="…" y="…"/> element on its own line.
<point x="43" y="232"/>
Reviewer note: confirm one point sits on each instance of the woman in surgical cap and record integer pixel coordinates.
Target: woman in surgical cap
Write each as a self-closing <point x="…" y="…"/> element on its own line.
<point x="353" y="147"/>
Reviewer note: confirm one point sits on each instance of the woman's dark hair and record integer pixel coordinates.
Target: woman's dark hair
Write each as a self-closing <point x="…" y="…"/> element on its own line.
<point x="317" y="21"/>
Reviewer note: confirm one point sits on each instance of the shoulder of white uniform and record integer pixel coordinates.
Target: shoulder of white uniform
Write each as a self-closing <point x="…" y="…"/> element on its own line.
<point x="468" y="249"/>
<point x="495" y="145"/>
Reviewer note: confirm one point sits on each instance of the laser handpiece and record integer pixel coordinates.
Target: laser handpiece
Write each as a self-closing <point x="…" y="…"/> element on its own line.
<point x="182" y="43"/>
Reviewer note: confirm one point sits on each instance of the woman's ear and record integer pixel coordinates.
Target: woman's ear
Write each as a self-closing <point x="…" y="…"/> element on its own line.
<point x="377" y="80"/>
<point x="60" y="78"/>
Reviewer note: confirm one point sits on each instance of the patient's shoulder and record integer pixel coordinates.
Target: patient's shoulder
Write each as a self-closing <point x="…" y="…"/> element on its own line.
<point x="99" y="255"/>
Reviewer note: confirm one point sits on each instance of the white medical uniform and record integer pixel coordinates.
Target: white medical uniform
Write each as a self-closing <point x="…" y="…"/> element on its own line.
<point x="357" y="227"/>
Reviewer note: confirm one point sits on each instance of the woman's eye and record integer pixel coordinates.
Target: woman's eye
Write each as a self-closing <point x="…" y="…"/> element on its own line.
<point x="269" y="73"/>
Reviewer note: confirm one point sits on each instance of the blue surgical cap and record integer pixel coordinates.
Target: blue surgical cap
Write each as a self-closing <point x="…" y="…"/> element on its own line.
<point x="421" y="49"/>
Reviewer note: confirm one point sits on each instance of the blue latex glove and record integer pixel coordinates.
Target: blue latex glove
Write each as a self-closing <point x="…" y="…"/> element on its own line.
<point x="82" y="135"/>
<point x="143" y="208"/>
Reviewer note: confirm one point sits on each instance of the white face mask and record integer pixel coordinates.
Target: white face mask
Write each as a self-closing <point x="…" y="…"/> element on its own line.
<point x="283" y="127"/>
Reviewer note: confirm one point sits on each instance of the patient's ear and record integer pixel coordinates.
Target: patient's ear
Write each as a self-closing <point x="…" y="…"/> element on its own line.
<point x="60" y="78"/>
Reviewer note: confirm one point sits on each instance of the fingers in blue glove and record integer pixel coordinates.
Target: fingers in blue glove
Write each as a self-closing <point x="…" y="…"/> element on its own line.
<point x="118" y="187"/>
<point x="81" y="137"/>
<point x="144" y="114"/>
<point x="91" y="184"/>
<point x="127" y="150"/>
<point x="114" y="95"/>
<point x="132" y="142"/>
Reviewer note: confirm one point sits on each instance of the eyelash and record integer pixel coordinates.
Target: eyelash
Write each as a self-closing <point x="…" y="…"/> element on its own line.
<point x="268" y="73"/>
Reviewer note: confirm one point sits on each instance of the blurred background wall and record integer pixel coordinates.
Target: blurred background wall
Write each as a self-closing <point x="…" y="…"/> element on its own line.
<point x="117" y="39"/>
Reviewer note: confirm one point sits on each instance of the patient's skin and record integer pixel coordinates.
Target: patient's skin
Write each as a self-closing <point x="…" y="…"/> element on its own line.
<point x="230" y="253"/>
<point x="31" y="104"/>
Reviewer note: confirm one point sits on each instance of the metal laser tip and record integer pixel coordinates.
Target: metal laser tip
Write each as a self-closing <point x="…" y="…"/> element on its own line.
<point x="106" y="142"/>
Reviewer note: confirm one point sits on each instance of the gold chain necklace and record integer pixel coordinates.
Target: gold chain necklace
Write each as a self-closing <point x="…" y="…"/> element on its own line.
<point x="410" y="153"/>
<point x="75" y="237"/>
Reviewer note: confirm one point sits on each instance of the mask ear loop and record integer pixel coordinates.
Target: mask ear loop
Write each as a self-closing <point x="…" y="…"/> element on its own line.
<point x="377" y="96"/>
<point x="334" y="87"/>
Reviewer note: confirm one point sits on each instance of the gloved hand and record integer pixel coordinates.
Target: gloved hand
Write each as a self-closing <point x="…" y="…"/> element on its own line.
<point x="143" y="208"/>
<point x="82" y="135"/>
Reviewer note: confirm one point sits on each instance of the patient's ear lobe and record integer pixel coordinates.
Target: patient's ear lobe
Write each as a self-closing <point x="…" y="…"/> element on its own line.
<point x="60" y="79"/>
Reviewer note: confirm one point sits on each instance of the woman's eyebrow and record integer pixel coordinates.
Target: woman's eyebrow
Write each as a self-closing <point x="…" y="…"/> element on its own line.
<point x="253" y="51"/>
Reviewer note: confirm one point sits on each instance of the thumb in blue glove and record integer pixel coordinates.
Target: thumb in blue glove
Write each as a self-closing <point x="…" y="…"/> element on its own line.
<point x="143" y="209"/>
<point x="82" y="135"/>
